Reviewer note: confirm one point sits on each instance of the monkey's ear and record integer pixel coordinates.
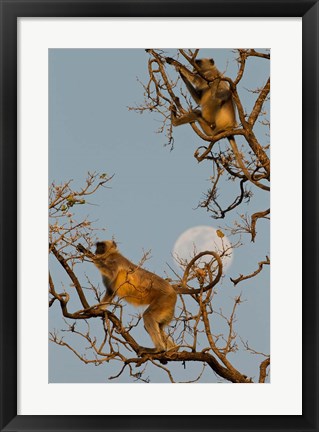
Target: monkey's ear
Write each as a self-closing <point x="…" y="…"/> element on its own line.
<point x="212" y="61"/>
<point x="114" y="244"/>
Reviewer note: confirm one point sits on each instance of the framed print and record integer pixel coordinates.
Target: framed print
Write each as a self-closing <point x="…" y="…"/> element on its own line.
<point x="160" y="285"/>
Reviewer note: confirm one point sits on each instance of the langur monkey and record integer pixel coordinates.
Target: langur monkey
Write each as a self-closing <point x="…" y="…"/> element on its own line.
<point x="139" y="287"/>
<point x="213" y="94"/>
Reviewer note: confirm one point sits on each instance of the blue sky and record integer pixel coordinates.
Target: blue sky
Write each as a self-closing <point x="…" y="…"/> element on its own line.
<point x="153" y="196"/>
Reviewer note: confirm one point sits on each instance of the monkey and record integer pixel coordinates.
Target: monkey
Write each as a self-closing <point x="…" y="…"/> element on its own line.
<point x="137" y="286"/>
<point x="213" y="95"/>
<point x="208" y="90"/>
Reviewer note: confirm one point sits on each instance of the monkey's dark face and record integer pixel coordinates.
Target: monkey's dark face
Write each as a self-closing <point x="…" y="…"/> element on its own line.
<point x="205" y="63"/>
<point x="104" y="247"/>
<point x="100" y="248"/>
<point x="207" y="68"/>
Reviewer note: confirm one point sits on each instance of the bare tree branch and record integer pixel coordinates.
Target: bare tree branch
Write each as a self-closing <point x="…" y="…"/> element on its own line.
<point x="255" y="273"/>
<point x="263" y="370"/>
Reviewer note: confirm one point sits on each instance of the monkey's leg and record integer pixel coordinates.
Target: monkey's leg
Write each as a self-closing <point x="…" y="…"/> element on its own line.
<point x="159" y="313"/>
<point x="169" y="343"/>
<point x="152" y="328"/>
<point x="196" y="115"/>
<point x="184" y="118"/>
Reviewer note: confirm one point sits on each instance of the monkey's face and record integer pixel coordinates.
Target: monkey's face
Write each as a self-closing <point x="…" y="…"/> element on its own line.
<point x="105" y="247"/>
<point x="205" y="63"/>
<point x="100" y="248"/>
<point x="207" y="67"/>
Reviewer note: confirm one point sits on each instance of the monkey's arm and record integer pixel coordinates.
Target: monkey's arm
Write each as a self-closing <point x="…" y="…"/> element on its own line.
<point x="85" y="251"/>
<point x="190" y="79"/>
<point x="196" y="94"/>
<point x="108" y="293"/>
<point x="223" y="95"/>
<point x="108" y="268"/>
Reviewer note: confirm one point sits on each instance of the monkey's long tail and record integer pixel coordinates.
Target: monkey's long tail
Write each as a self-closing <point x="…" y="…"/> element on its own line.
<point x="241" y="164"/>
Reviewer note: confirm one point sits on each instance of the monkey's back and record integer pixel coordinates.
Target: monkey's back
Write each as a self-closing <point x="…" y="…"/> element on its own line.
<point x="137" y="285"/>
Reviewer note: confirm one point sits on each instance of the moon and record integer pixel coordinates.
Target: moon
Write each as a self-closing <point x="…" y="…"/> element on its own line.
<point x="203" y="238"/>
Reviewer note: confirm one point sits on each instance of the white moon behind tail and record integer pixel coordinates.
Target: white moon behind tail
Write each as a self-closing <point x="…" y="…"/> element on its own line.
<point x="203" y="238"/>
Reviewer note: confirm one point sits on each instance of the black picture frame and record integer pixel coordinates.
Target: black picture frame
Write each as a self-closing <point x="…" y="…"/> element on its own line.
<point x="10" y="11"/>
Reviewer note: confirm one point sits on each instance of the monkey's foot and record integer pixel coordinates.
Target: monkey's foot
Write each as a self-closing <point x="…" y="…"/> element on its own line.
<point x="173" y="348"/>
<point x="144" y="350"/>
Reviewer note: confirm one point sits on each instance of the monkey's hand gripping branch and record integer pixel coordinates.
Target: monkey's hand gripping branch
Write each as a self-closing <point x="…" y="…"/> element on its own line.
<point x="85" y="251"/>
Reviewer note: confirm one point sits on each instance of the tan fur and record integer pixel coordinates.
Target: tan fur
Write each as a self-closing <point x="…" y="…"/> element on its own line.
<point x="139" y="287"/>
<point x="213" y="94"/>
